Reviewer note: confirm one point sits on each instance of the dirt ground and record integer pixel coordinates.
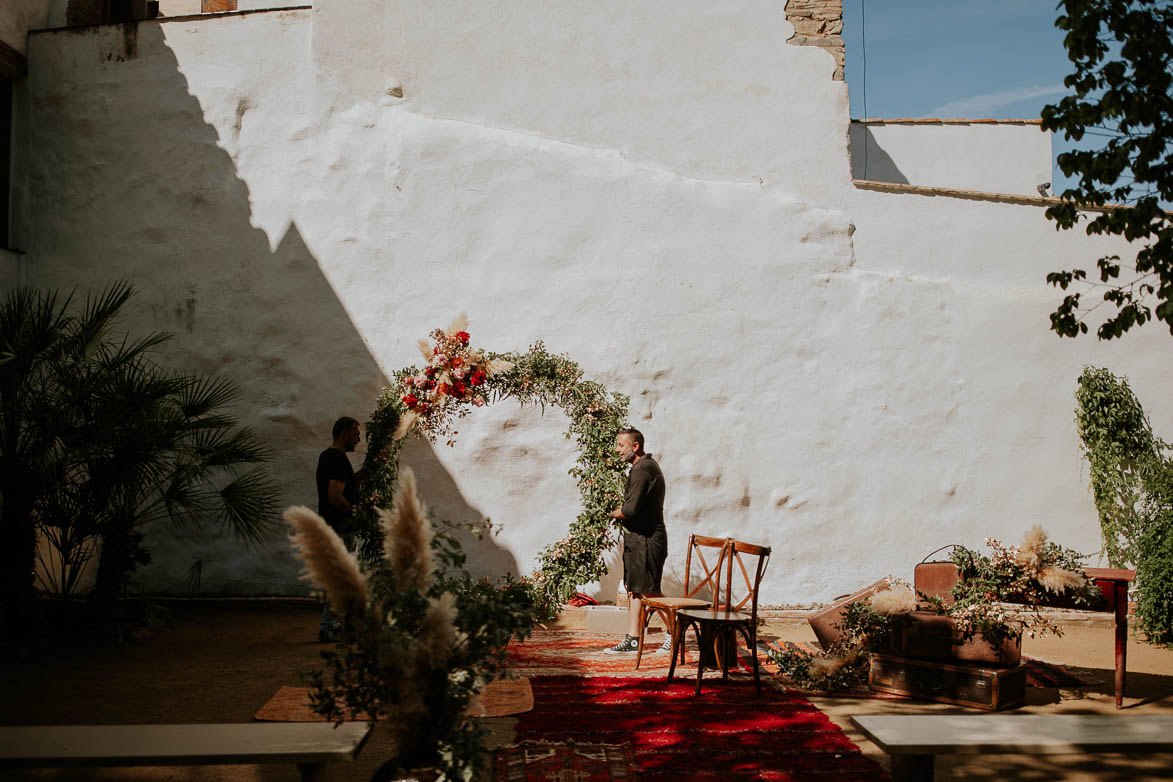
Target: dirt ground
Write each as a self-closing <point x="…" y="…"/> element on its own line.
<point x="219" y="661"/>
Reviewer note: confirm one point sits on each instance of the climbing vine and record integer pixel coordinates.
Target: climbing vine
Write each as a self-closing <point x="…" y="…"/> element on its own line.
<point x="1132" y="485"/>
<point x="456" y="379"/>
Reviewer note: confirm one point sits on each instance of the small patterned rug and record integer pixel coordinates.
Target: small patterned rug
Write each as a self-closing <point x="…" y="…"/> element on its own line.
<point x="536" y="761"/>
<point x="498" y="699"/>
<point x="576" y="653"/>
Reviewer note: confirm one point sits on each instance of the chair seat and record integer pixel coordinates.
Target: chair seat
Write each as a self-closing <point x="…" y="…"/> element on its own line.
<point x="677" y="602"/>
<point x="720" y="615"/>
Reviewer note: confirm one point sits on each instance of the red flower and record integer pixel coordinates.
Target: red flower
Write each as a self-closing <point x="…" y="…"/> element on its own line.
<point x="410" y="400"/>
<point x="456" y="361"/>
<point x="459" y="390"/>
<point x="463" y="337"/>
<point x="477" y="378"/>
<point x="430" y="371"/>
<point x="429" y="384"/>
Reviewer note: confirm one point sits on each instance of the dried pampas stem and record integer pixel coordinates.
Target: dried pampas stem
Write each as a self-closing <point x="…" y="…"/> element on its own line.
<point x="426" y="350"/>
<point x="458" y="325"/>
<point x="407" y="537"/>
<point x="898" y="600"/>
<point x="1058" y="580"/>
<point x="406" y="422"/>
<point x="438" y="633"/>
<point x="328" y="564"/>
<point x="1030" y="553"/>
<point x="498" y="366"/>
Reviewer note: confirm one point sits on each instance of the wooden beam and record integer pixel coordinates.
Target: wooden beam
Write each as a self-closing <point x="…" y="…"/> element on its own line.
<point x="13" y="64"/>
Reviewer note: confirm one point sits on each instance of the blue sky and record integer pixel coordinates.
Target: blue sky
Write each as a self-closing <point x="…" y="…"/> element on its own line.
<point x="999" y="59"/>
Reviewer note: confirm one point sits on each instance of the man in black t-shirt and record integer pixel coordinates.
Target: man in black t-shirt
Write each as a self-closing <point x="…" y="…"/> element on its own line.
<point x="335" y="479"/>
<point x="335" y="476"/>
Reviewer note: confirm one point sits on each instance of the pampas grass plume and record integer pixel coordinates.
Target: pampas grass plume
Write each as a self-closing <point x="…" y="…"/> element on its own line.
<point x="898" y="600"/>
<point x="826" y="666"/>
<point x="498" y="366"/>
<point x="406" y="422"/>
<point x="328" y="564"/>
<point x="458" y="325"/>
<point x="1031" y="551"/>
<point x="438" y="632"/>
<point x="1058" y="580"/>
<point x="407" y="537"/>
<point x="426" y="350"/>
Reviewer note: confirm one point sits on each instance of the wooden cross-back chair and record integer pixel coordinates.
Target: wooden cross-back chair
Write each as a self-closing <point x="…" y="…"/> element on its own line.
<point x="717" y="627"/>
<point x="666" y="607"/>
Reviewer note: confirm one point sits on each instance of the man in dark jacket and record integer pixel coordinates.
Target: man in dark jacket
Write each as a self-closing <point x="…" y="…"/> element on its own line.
<point x="645" y="540"/>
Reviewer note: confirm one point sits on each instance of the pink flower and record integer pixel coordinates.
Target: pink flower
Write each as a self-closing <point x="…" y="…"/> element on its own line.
<point x="440" y="359"/>
<point x="409" y="381"/>
<point x="458" y="374"/>
<point x="479" y="401"/>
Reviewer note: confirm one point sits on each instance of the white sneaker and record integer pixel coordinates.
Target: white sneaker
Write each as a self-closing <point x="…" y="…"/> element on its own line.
<point x="667" y="645"/>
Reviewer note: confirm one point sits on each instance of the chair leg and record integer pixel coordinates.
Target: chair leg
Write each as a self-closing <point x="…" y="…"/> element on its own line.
<point x="700" y="660"/>
<point x="677" y="643"/>
<point x="753" y="653"/>
<point x="642" y="620"/>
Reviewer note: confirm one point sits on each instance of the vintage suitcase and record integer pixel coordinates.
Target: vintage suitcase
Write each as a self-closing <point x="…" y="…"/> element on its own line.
<point x="936" y="579"/>
<point x="825" y="622"/>
<point x="980" y="687"/>
<point x="930" y="636"/>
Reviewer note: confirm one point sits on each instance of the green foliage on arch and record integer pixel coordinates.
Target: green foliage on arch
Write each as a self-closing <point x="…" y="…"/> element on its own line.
<point x="536" y="377"/>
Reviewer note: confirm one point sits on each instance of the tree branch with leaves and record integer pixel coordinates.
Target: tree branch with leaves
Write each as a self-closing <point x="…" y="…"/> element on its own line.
<point x="1122" y="92"/>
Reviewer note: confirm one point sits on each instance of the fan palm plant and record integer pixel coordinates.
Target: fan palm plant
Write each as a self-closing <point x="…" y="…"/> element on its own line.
<point x="109" y="440"/>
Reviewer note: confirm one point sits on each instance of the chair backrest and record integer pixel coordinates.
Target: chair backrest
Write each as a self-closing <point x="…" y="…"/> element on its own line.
<point x="699" y="545"/>
<point x="737" y="553"/>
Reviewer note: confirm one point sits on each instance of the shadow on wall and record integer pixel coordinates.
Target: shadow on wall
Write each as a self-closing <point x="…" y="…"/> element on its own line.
<point x="169" y="213"/>
<point x="869" y="160"/>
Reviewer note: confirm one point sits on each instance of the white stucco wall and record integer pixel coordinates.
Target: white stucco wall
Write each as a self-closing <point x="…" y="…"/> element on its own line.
<point x="1010" y="157"/>
<point x="854" y="378"/>
<point x="17" y="17"/>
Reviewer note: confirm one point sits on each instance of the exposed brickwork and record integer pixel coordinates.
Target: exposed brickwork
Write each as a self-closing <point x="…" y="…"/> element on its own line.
<point x="819" y="23"/>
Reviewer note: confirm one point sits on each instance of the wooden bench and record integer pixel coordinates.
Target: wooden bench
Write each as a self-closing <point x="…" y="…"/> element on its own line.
<point x="308" y="744"/>
<point x="913" y="741"/>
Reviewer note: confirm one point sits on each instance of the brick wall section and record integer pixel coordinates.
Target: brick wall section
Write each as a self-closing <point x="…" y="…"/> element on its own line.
<point x="818" y="23"/>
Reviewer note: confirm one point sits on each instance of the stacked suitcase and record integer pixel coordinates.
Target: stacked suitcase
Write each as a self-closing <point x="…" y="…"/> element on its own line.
<point x="930" y="659"/>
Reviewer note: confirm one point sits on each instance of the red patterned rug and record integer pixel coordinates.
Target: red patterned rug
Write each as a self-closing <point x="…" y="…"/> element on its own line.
<point x="535" y="761"/>
<point x="575" y="653"/>
<point x="728" y="733"/>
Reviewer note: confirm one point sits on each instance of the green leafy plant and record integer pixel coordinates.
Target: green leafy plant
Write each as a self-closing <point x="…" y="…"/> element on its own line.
<point x="1000" y="596"/>
<point x="1131" y="472"/>
<point x="1122" y="90"/>
<point x="536" y="377"/>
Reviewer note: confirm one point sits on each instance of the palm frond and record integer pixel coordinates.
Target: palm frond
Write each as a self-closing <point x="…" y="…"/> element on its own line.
<point x="99" y="314"/>
<point x="250" y="504"/>
<point x="200" y="395"/>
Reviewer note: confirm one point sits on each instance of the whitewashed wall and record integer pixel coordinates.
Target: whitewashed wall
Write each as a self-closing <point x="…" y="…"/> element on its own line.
<point x="1009" y="157"/>
<point x="661" y="192"/>
<point x="17" y="17"/>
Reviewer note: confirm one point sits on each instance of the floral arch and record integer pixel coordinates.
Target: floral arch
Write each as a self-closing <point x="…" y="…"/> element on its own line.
<point x="456" y="379"/>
